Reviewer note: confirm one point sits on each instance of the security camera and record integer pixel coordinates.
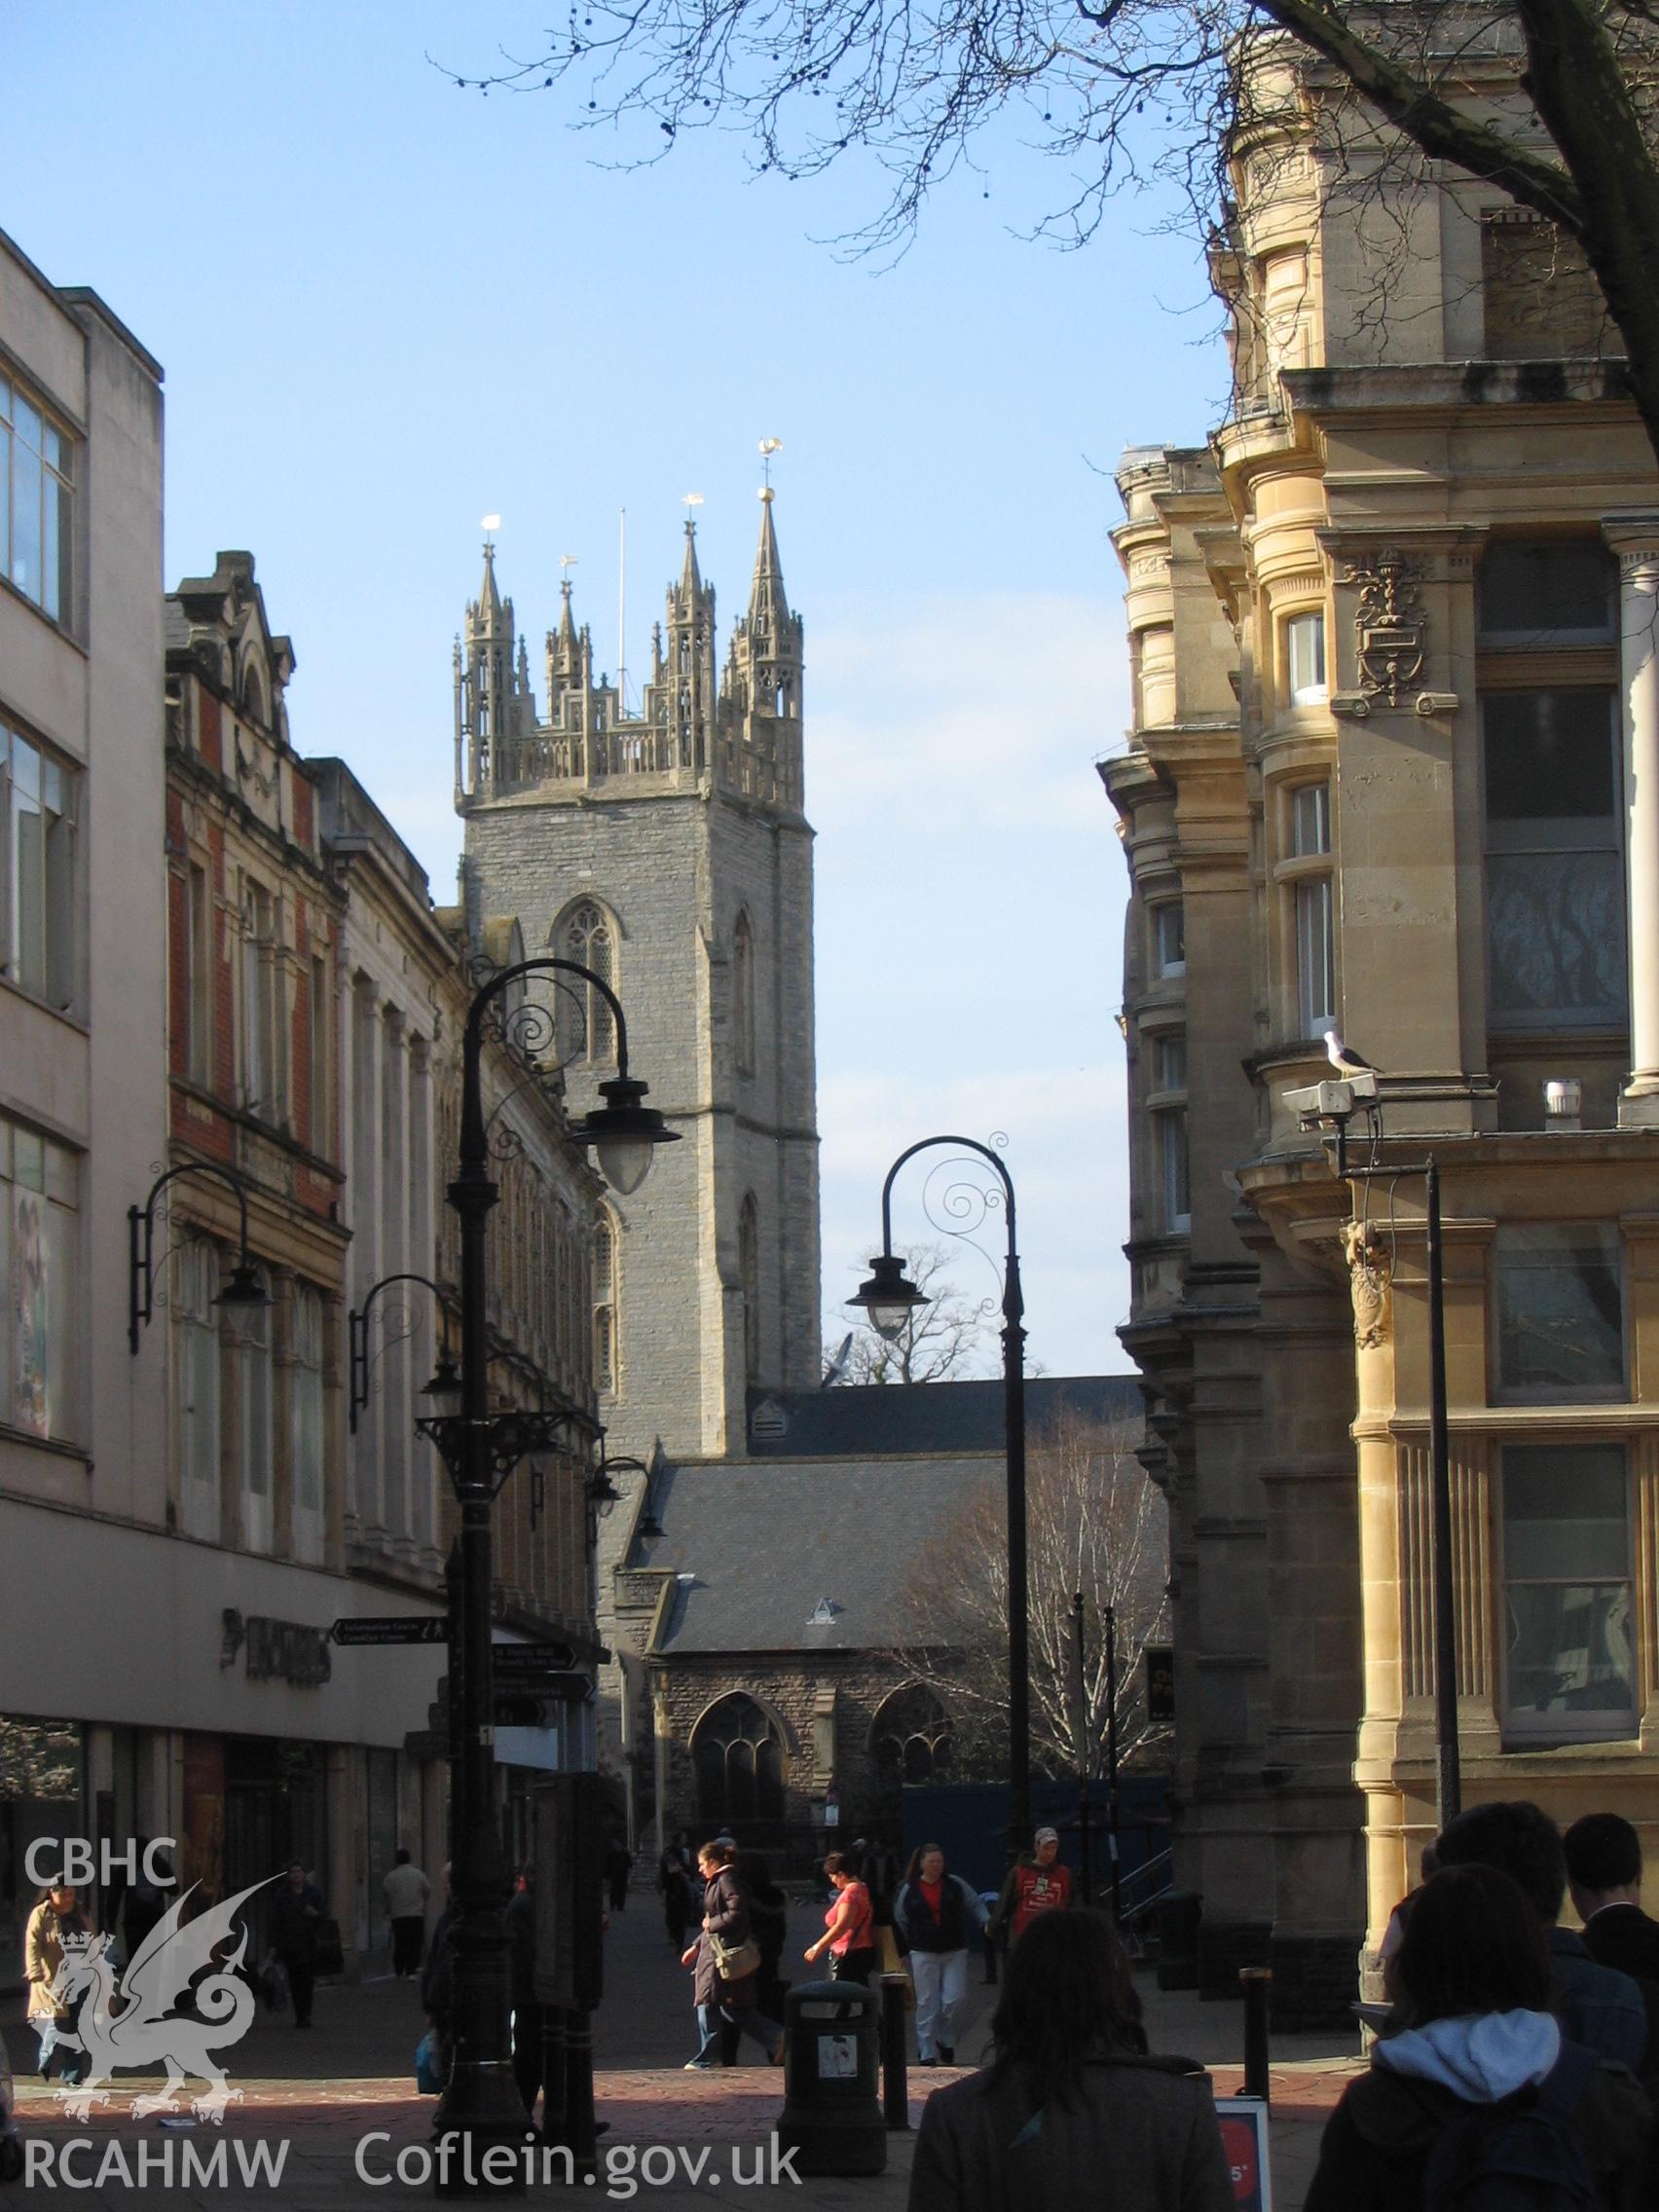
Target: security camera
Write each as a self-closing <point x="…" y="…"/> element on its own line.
<point x="1317" y="1103"/>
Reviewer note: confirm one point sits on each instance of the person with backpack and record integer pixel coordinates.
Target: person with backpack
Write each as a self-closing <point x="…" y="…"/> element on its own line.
<point x="1475" y="2102"/>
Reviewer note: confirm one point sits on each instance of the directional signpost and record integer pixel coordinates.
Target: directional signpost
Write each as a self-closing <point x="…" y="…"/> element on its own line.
<point x="391" y="1628"/>
<point x="518" y="1662"/>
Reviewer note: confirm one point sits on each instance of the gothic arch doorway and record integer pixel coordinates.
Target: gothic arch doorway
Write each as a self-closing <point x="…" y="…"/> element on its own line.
<point x="737" y="1751"/>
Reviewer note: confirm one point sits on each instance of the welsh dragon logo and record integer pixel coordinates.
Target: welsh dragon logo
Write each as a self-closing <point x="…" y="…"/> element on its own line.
<point x="126" y="2020"/>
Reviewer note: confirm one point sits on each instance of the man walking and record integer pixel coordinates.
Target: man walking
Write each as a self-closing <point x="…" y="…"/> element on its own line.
<point x="1034" y="1886"/>
<point x="296" y="1922"/>
<point x="406" y="1891"/>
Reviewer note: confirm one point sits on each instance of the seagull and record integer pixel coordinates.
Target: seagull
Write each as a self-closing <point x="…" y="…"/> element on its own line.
<point x="837" y="1367"/>
<point x="1344" y="1059"/>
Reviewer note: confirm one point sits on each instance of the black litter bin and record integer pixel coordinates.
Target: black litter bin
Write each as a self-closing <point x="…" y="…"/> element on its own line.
<point x="832" y="2118"/>
<point x="1178" y="1916"/>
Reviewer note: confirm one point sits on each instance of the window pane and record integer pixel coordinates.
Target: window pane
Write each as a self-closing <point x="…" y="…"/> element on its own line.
<point x="1315" y="958"/>
<point x="1549" y="761"/>
<point x="1567" y="1565"/>
<point x="1564" y="586"/>
<point x="1169" y="941"/>
<point x="1569" y="1649"/>
<point x="1172" y="1142"/>
<point x="26" y="519"/>
<point x="1556" y="934"/>
<point x="1310" y="820"/>
<point x="1305" y="637"/>
<point x="1560" y="1311"/>
<point x="1172" y="1064"/>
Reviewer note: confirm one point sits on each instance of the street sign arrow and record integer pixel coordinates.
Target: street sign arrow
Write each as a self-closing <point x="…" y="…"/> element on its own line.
<point x="391" y="1628"/>
<point x="512" y="1662"/>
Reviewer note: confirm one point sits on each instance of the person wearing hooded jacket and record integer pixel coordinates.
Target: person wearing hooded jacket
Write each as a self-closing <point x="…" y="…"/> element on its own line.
<point x="1472" y="2030"/>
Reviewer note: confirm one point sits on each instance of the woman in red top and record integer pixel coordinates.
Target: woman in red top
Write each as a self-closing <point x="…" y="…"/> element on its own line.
<point x="849" y="1926"/>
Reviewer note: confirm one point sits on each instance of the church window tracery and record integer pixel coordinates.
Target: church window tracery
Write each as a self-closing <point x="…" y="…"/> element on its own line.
<point x="586" y="1025"/>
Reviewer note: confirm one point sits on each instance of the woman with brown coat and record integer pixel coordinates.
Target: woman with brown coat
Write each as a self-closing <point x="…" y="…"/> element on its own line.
<point x="55" y="1916"/>
<point x="719" y="1997"/>
<point x="1072" y="2115"/>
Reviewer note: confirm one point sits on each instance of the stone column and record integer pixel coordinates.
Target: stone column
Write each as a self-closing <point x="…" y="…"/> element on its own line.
<point x="1635" y="538"/>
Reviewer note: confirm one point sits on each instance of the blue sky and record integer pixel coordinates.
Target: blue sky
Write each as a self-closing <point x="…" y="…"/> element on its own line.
<point x="386" y="307"/>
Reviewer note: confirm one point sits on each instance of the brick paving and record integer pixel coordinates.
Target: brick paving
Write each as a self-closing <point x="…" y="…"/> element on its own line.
<point x="321" y="2092"/>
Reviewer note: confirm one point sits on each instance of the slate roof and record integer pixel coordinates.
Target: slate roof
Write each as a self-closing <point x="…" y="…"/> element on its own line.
<point x="760" y="1545"/>
<point x="876" y="1420"/>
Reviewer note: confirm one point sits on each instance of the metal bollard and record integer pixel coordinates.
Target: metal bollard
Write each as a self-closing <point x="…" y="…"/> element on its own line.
<point x="894" y="2086"/>
<point x="1257" y="1983"/>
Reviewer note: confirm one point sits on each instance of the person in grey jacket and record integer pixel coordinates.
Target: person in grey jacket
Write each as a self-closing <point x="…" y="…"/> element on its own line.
<point x="1073" y="2115"/>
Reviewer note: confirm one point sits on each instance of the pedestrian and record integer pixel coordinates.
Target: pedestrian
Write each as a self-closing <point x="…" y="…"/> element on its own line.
<point x="725" y="1962"/>
<point x="437" y="1976"/>
<point x="1034" y="1886"/>
<point x="1603" y="1874"/>
<point x="1072" y="2115"/>
<point x="934" y="1913"/>
<point x="528" y="2020"/>
<point x="618" y="1865"/>
<point x="881" y="1878"/>
<point x="768" y="1918"/>
<point x="674" y="1880"/>
<point x="55" y="1920"/>
<point x="849" y="1925"/>
<point x="1394" y="1936"/>
<point x="1597" y="2006"/>
<point x="1475" y="2089"/>
<point x="296" y="1923"/>
<point x="406" y="1891"/>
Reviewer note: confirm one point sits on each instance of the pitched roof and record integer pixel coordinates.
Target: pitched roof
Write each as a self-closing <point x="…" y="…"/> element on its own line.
<point x="871" y="1420"/>
<point x="790" y="1555"/>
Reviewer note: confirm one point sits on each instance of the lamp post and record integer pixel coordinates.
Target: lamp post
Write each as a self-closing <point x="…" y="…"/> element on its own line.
<point x="244" y="1289"/>
<point x="889" y="1298"/>
<point x="481" y="2103"/>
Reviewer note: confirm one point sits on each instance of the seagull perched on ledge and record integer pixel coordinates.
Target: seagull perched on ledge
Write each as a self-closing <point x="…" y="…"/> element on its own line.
<point x="1344" y="1059"/>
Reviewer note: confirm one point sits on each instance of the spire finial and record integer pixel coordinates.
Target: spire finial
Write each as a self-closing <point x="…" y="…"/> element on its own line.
<point x="768" y="447"/>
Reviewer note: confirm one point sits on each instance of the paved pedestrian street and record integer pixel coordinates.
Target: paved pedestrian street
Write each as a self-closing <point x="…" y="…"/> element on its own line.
<point x="327" y="2114"/>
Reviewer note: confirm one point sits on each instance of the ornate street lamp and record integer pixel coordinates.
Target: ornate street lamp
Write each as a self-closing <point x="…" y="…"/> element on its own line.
<point x="443" y="1388"/>
<point x="243" y="1291"/>
<point x="889" y="1297"/>
<point x="480" y="1450"/>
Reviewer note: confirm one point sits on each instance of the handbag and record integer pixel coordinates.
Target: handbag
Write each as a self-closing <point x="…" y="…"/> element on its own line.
<point x="273" y="1984"/>
<point x="732" y="1961"/>
<point x="429" y="2071"/>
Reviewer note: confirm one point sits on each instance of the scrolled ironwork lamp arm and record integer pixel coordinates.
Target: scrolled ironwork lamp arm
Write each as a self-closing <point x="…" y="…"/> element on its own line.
<point x="141" y="1236"/>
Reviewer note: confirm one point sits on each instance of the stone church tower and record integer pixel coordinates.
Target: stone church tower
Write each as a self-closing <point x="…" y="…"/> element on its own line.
<point x="668" y="850"/>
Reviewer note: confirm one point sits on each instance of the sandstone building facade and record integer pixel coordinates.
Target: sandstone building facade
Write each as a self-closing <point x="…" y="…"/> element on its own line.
<point x="1392" y="635"/>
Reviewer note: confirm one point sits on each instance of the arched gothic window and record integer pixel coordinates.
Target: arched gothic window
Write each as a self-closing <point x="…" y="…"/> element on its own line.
<point x="743" y="995"/>
<point x="748" y="1275"/>
<point x="586" y="1026"/>
<point x="738" y="1755"/>
<point x="909" y="1742"/>
<point x="605" y="1284"/>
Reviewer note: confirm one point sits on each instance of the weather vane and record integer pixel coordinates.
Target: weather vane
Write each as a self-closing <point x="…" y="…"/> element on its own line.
<point x="691" y="499"/>
<point x="567" y="562"/>
<point x="490" y="523"/>
<point x="768" y="447"/>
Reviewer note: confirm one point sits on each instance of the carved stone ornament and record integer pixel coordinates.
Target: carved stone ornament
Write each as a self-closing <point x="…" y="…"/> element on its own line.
<point x="1368" y="1286"/>
<point x="1389" y="624"/>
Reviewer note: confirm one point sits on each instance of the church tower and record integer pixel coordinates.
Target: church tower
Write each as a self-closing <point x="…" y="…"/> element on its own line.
<point x="668" y="850"/>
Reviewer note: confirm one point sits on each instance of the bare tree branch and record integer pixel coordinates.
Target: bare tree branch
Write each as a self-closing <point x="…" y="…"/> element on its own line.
<point x="1095" y="1523"/>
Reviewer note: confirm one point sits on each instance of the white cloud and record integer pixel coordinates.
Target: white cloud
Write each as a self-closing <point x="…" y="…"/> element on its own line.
<point x="962" y="712"/>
